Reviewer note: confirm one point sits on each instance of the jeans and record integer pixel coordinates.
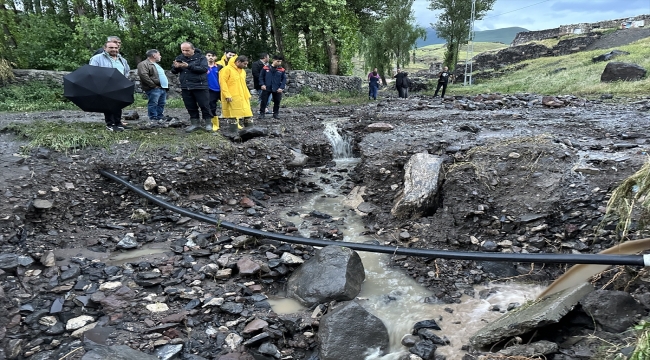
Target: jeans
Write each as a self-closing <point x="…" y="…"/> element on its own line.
<point x="156" y="105"/>
<point x="403" y="92"/>
<point x="266" y="97"/>
<point x="373" y="91"/>
<point x="195" y="99"/>
<point x="214" y="97"/>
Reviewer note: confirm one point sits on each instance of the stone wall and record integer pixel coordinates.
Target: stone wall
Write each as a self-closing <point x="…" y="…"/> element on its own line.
<point x="296" y="81"/>
<point x="582" y="28"/>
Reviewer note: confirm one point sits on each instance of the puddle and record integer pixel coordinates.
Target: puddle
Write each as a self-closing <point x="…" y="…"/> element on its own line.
<point x="285" y="305"/>
<point x="147" y="252"/>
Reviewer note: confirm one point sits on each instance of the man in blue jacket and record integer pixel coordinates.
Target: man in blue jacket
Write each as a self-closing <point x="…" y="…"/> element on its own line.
<point x="193" y="69"/>
<point x="273" y="80"/>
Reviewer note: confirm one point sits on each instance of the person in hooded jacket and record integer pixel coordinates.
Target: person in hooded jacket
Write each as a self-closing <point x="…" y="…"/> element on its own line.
<point x="235" y="96"/>
<point x="192" y="68"/>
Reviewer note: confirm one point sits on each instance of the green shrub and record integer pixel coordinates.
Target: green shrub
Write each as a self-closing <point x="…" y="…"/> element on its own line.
<point x="34" y="96"/>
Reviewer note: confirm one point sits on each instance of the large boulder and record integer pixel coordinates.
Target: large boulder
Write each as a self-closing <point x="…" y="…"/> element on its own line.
<point x="614" y="311"/>
<point x="421" y="183"/>
<point x="349" y="332"/>
<point x="615" y="71"/>
<point x="335" y="273"/>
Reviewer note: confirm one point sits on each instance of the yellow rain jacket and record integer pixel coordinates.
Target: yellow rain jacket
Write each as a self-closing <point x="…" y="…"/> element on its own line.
<point x="232" y="81"/>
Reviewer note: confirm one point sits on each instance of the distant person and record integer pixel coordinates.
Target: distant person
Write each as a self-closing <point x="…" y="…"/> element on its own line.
<point x="114" y="39"/>
<point x="273" y="80"/>
<point x="256" y="70"/>
<point x="110" y="58"/>
<point x="402" y="83"/>
<point x="155" y="84"/>
<point x="235" y="96"/>
<point x="193" y="68"/>
<point x="443" y="80"/>
<point x="213" y="88"/>
<point x="373" y="84"/>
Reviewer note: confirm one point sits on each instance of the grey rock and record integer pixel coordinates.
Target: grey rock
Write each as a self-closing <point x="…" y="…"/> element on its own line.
<point x="127" y="242"/>
<point x="424" y="349"/>
<point x="614" y="311"/>
<point x="532" y="315"/>
<point x="42" y="204"/>
<point x="116" y="352"/>
<point x="334" y="273"/>
<point x="421" y="184"/>
<point x="348" y="331"/>
<point x="71" y="273"/>
<point x="232" y="308"/>
<point x="8" y="261"/>
<point x="167" y="352"/>
<point x="536" y="349"/>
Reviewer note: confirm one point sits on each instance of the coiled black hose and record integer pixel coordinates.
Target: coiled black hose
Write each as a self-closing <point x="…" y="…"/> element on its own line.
<point x="636" y="260"/>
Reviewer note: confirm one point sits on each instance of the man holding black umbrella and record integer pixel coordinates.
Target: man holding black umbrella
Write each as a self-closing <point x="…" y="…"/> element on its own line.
<point x="111" y="58"/>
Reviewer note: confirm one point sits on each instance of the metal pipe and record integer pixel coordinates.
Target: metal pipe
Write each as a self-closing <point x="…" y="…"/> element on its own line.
<point x="601" y="259"/>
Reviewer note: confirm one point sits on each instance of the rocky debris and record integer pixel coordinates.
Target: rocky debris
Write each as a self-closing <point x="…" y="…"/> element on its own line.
<point x="420" y="195"/>
<point x="615" y="71"/>
<point x="530" y="316"/>
<point x="535" y="349"/>
<point x="130" y="115"/>
<point x="613" y="311"/>
<point x="347" y="332"/>
<point x="609" y="55"/>
<point x="334" y="273"/>
<point x="42" y="204"/>
<point x="116" y="352"/>
<point x="150" y="183"/>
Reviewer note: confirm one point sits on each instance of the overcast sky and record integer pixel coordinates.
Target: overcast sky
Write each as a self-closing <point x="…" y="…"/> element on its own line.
<point x="544" y="14"/>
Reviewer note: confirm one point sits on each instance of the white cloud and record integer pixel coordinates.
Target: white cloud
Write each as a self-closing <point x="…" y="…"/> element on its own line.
<point x="544" y="14"/>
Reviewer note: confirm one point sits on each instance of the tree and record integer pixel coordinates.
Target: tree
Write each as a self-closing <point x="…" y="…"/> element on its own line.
<point x="454" y="23"/>
<point x="392" y="39"/>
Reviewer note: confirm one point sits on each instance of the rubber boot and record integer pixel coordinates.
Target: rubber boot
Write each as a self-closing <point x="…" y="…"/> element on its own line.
<point x="215" y="123"/>
<point x="248" y="121"/>
<point x="239" y="126"/>
<point x="232" y="125"/>
<point x="194" y="125"/>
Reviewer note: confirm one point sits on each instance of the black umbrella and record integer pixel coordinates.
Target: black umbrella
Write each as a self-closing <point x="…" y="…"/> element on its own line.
<point x="98" y="89"/>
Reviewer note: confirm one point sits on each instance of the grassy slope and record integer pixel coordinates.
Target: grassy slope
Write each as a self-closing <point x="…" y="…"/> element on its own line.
<point x="581" y="77"/>
<point x="435" y="53"/>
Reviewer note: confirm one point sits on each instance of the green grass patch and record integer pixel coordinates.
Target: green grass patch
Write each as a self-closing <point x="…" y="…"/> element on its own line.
<point x="72" y="136"/>
<point x="581" y="77"/>
<point x="309" y="97"/>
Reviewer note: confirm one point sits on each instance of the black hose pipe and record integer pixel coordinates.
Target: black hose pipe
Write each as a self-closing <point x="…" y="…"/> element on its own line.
<point x="636" y="260"/>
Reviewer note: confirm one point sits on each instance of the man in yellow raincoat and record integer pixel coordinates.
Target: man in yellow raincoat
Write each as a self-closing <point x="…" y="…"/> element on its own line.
<point x="235" y="96"/>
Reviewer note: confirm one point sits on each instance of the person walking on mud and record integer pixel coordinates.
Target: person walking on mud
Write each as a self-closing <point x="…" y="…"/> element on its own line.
<point x="193" y="68"/>
<point x="273" y="80"/>
<point x="373" y="84"/>
<point x="443" y="80"/>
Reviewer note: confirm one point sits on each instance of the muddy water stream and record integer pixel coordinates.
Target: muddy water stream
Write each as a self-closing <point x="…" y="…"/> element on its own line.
<point x="388" y="293"/>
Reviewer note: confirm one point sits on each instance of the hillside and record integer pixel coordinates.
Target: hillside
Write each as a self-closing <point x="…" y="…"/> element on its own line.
<point x="504" y="35"/>
<point x="434" y="53"/>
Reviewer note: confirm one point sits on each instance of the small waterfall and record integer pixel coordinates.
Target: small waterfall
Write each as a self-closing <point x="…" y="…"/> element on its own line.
<point x="341" y="145"/>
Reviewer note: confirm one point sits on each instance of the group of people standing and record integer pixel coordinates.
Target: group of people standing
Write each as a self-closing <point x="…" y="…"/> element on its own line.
<point x="204" y="81"/>
<point x="403" y="83"/>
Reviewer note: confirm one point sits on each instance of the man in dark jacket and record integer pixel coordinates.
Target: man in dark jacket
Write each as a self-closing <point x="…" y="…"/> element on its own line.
<point x="273" y="80"/>
<point x="256" y="70"/>
<point x="402" y="83"/>
<point x="155" y="84"/>
<point x="192" y="68"/>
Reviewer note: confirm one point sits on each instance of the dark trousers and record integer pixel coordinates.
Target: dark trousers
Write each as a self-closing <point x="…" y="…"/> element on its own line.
<point x="444" y="88"/>
<point x="214" y="97"/>
<point x="372" y="91"/>
<point x="113" y="117"/>
<point x="403" y="92"/>
<point x="195" y="99"/>
<point x="277" y="97"/>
